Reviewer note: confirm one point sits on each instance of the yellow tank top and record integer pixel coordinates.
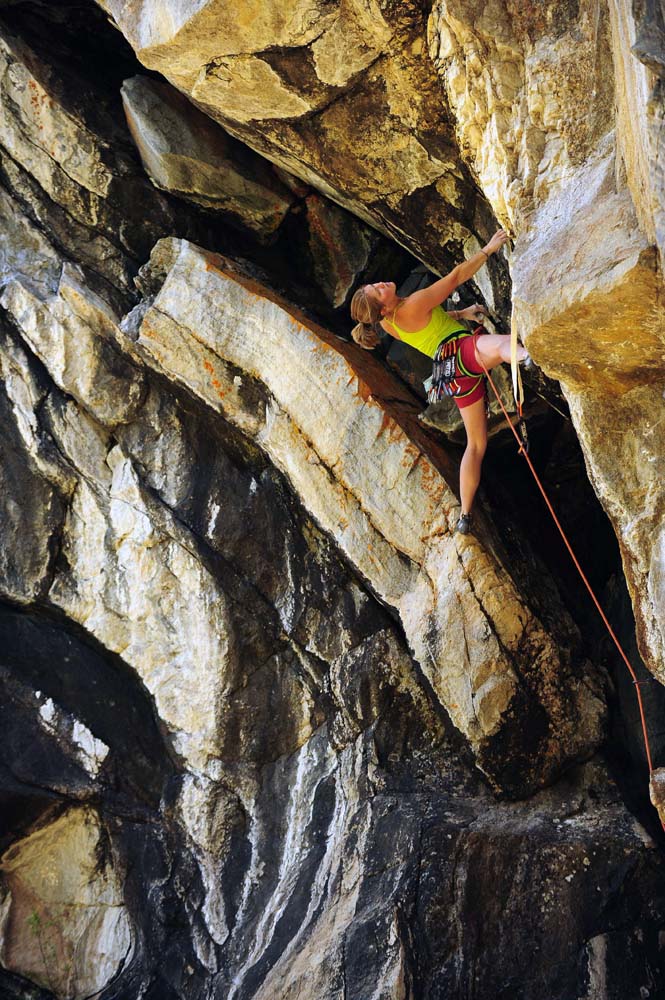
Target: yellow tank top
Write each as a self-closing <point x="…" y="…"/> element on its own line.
<point x="440" y="327"/>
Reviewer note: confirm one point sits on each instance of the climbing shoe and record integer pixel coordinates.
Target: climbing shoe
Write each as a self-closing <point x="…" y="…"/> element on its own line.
<point x="464" y="524"/>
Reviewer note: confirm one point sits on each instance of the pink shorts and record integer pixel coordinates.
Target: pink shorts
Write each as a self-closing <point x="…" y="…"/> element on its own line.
<point x="467" y="366"/>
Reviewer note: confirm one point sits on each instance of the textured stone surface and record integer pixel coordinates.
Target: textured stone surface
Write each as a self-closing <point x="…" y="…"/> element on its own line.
<point x="184" y="152"/>
<point x="236" y="631"/>
<point x="626" y="475"/>
<point x="657" y="791"/>
<point x="637" y="53"/>
<point x="68" y="161"/>
<point x="438" y="584"/>
<point x="340" y="249"/>
<point x="532" y="93"/>
<point x="404" y="549"/>
<point x="63" y="922"/>
<point x="531" y="88"/>
<point x="342" y="95"/>
<point x="581" y="188"/>
<point x="324" y="805"/>
<point x="242" y="202"/>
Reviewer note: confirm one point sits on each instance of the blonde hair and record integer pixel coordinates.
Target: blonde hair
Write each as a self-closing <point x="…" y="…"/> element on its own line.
<point x="367" y="313"/>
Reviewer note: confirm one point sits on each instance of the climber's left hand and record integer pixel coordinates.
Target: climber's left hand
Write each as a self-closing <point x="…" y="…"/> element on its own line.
<point x="475" y="313"/>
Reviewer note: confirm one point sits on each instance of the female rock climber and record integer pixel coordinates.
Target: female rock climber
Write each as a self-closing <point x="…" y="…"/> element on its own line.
<point x="420" y="321"/>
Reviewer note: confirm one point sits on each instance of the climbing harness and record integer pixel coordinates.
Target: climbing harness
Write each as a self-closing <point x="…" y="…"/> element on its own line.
<point x="446" y="368"/>
<point x="523" y="451"/>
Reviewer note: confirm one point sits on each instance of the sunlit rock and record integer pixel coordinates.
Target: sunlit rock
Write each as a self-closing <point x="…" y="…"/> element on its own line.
<point x="64" y="924"/>
<point x="234" y="614"/>
<point x="64" y="332"/>
<point x="579" y="184"/>
<point x="389" y="512"/>
<point x="342" y="95"/>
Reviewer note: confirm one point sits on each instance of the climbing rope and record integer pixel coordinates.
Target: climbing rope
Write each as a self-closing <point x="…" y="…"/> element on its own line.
<point x="522" y="451"/>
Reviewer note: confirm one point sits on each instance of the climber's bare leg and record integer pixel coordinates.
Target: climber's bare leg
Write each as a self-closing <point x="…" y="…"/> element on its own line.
<point x="494" y="348"/>
<point x="475" y="424"/>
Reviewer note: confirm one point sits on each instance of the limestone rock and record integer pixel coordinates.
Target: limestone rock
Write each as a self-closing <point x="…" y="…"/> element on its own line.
<point x="339" y="246"/>
<point x="386" y="155"/>
<point x="25" y="251"/>
<point x="110" y="228"/>
<point x="579" y="186"/>
<point x="657" y="791"/>
<point x="527" y="111"/>
<point x="184" y="152"/>
<point x="232" y="613"/>
<point x="79" y="184"/>
<point x="322" y="792"/>
<point x="32" y="504"/>
<point x="48" y="750"/>
<point x="118" y="546"/>
<point x="63" y="920"/>
<point x="625" y="439"/>
<point x="637" y="50"/>
<point x="64" y="332"/>
<point x="404" y="548"/>
<point x="582" y="190"/>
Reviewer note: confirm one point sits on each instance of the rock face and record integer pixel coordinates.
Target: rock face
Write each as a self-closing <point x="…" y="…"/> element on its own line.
<point x="270" y="729"/>
<point x="313" y="429"/>
<point x="78" y="936"/>
<point x="342" y="95"/>
<point x="531" y="98"/>
<point x="580" y="186"/>
<point x="185" y="153"/>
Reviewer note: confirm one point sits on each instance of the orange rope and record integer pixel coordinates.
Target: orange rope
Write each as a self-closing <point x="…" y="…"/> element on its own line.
<point x="636" y="682"/>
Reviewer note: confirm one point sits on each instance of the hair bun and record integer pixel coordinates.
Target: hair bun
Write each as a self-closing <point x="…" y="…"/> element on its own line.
<point x="365" y="336"/>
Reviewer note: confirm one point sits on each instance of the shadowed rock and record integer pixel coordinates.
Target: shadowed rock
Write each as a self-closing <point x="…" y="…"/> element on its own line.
<point x="186" y="153"/>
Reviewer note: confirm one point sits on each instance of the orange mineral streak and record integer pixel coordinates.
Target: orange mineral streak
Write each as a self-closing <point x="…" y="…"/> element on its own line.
<point x="393" y="430"/>
<point x="412" y="457"/>
<point x="430" y="482"/>
<point x="364" y="391"/>
<point x="215" y="381"/>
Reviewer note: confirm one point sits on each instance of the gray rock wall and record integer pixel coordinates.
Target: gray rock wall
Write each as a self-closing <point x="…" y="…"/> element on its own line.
<point x="270" y="730"/>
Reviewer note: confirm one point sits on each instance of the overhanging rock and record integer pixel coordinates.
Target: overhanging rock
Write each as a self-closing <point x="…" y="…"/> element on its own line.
<point x="333" y="422"/>
<point x="345" y="96"/>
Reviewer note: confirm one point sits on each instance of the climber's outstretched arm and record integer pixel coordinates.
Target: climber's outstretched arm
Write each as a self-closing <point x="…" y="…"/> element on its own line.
<point x="422" y="302"/>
